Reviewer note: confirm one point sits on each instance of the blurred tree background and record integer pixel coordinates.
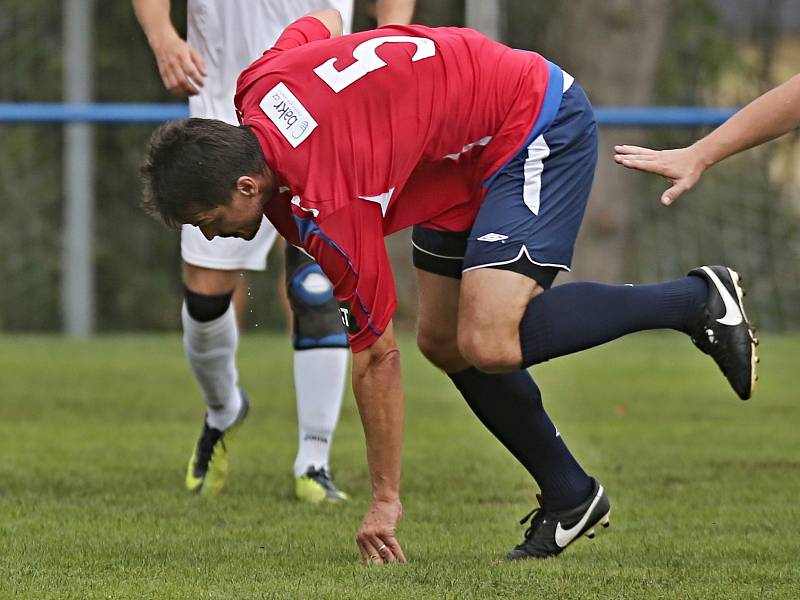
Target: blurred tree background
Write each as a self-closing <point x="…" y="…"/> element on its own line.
<point x="624" y="52"/>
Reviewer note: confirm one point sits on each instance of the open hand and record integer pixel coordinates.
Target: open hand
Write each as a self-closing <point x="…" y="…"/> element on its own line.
<point x="681" y="167"/>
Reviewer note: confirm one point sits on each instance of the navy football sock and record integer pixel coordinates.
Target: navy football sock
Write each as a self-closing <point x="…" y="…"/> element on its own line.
<point x="510" y="406"/>
<point x="582" y="315"/>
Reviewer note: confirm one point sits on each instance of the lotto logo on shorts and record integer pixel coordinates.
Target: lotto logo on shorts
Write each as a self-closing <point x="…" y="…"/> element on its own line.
<point x="288" y="114"/>
<point x="492" y="237"/>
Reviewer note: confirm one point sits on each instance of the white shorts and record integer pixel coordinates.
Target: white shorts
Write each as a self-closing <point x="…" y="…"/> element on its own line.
<point x="230" y="34"/>
<point x="227" y="254"/>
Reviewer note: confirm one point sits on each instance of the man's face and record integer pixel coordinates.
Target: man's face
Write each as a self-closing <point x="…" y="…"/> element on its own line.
<point x="241" y="218"/>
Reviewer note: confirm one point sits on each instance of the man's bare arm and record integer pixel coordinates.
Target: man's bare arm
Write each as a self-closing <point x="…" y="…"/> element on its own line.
<point x="379" y="394"/>
<point x="765" y="118"/>
<point x="331" y="18"/>
<point x="397" y="12"/>
<point x="181" y="67"/>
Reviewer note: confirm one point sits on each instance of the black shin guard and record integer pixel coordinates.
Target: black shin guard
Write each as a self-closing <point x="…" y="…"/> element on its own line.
<point x="205" y="308"/>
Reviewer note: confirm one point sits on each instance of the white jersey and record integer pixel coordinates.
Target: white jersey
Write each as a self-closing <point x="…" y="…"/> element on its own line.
<point x="230" y="34"/>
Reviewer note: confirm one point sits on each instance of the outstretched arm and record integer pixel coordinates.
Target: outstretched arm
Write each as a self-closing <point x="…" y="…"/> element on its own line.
<point x="181" y="67"/>
<point x="765" y="118"/>
<point x="398" y="12"/>
<point x="348" y="244"/>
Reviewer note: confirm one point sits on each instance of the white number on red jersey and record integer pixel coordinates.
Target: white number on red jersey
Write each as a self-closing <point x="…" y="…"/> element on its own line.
<point x="367" y="60"/>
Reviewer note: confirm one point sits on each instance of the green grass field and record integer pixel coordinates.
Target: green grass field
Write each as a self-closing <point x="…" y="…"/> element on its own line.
<point x="95" y="435"/>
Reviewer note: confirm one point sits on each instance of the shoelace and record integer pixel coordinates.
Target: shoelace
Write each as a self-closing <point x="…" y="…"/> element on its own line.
<point x="533" y="516"/>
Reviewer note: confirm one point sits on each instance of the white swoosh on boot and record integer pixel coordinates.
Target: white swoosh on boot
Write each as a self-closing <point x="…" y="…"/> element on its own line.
<point x="733" y="315"/>
<point x="565" y="536"/>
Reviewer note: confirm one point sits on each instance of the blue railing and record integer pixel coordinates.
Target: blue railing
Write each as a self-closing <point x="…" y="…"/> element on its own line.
<point x="55" y="112"/>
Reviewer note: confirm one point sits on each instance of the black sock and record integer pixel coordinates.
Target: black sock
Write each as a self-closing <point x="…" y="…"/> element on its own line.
<point x="205" y="308"/>
<point x="577" y="316"/>
<point x="510" y="406"/>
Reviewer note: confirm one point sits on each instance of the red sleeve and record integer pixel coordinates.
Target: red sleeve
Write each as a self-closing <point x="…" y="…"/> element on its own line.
<point x="348" y="245"/>
<point x="304" y="30"/>
<point x="279" y="212"/>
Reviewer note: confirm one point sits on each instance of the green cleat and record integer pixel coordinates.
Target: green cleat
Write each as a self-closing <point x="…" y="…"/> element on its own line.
<point x="317" y="486"/>
<point x="208" y="466"/>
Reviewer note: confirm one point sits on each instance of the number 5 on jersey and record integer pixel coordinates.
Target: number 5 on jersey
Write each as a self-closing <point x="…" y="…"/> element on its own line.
<point x="367" y="60"/>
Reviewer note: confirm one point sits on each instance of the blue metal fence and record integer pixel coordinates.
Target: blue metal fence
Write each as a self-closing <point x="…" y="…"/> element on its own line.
<point x="46" y="112"/>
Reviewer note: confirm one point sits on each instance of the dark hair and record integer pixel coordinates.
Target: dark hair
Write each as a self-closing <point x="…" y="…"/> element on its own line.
<point x="193" y="164"/>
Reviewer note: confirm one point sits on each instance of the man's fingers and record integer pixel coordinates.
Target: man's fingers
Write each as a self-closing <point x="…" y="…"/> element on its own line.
<point x="362" y="550"/>
<point x="186" y="88"/>
<point x="191" y="73"/>
<point x="625" y="149"/>
<point x="385" y="550"/>
<point x="620" y="156"/>
<point x="672" y="194"/>
<point x="176" y="82"/>
<point x="369" y="550"/>
<point x="190" y="77"/>
<point x="192" y="87"/>
<point x="640" y="164"/>
<point x="670" y="164"/>
<point x="377" y="550"/>
<point x="198" y="61"/>
<point x="169" y="81"/>
<point x="397" y="551"/>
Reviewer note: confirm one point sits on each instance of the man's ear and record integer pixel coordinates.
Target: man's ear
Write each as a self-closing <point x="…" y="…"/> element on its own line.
<point x="246" y="186"/>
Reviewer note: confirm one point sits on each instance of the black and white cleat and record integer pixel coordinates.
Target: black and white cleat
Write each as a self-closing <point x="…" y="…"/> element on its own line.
<point x="721" y="329"/>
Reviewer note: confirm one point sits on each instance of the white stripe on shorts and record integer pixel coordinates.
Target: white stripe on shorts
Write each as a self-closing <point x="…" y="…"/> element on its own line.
<point x="568" y="79"/>
<point x="532" y="171"/>
<point x="538" y="150"/>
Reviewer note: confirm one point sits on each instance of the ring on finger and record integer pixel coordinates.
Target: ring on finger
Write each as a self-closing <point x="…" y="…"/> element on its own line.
<point x="381" y="548"/>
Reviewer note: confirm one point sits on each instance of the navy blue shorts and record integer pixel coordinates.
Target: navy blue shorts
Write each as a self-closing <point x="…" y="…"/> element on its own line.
<point x="534" y="205"/>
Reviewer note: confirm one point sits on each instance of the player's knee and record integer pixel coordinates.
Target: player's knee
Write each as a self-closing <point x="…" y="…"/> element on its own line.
<point x="440" y="349"/>
<point x="317" y="322"/>
<point x="488" y="351"/>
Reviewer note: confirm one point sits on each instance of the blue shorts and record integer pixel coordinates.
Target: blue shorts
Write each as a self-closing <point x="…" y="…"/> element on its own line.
<point x="534" y="205"/>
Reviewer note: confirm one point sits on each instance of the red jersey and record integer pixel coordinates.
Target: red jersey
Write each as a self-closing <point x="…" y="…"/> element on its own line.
<point x="373" y="132"/>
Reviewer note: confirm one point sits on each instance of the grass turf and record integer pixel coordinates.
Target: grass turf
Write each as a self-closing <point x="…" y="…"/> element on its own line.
<point x="94" y="436"/>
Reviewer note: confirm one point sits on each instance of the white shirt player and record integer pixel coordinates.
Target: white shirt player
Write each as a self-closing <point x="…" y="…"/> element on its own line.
<point x="230" y="34"/>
